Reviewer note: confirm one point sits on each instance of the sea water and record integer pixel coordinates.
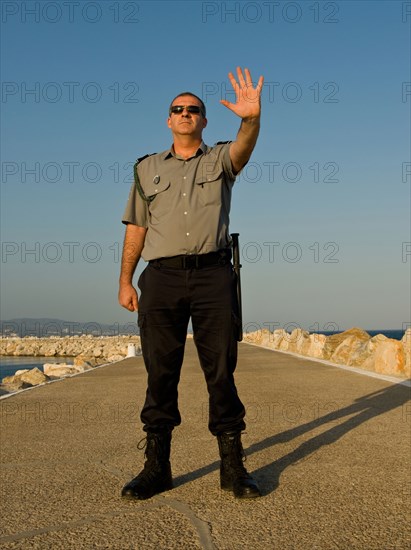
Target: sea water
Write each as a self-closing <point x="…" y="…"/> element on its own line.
<point x="10" y="364"/>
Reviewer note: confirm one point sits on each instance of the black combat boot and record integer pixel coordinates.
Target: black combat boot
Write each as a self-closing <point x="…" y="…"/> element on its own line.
<point x="156" y="474"/>
<point x="233" y="475"/>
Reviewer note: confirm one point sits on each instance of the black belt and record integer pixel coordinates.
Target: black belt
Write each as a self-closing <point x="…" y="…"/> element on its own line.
<point x="194" y="261"/>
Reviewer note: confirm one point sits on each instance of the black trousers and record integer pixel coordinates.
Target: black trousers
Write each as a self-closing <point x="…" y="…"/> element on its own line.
<point x="169" y="297"/>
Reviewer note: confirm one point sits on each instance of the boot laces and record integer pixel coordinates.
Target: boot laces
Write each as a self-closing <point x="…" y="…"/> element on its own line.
<point x="236" y="458"/>
<point x="152" y="466"/>
<point x="237" y="463"/>
<point x="142" y="445"/>
<point x="153" y="450"/>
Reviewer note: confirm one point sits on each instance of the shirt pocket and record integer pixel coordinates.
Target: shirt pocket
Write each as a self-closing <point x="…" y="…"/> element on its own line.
<point x="209" y="187"/>
<point x="160" y="195"/>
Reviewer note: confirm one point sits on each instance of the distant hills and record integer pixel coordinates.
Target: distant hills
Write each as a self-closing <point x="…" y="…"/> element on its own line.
<point x="45" y="327"/>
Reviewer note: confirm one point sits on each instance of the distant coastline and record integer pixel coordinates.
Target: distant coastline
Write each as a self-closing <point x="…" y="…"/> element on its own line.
<point x="48" y="327"/>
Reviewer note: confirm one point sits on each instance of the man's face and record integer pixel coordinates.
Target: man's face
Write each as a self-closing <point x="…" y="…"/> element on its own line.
<point x="185" y="123"/>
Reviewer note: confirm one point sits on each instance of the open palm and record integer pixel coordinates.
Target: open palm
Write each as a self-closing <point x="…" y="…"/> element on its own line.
<point x="248" y="97"/>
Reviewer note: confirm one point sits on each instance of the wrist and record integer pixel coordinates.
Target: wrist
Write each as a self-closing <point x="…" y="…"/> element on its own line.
<point x="125" y="282"/>
<point x="252" y="120"/>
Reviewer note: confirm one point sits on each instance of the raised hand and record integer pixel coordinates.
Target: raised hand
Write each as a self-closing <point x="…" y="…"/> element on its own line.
<point x="248" y="98"/>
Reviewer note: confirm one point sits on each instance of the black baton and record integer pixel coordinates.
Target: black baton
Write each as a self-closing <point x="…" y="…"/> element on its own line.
<point x="237" y="267"/>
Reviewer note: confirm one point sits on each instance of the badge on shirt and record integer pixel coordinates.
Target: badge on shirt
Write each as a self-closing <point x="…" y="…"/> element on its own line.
<point x="156" y="180"/>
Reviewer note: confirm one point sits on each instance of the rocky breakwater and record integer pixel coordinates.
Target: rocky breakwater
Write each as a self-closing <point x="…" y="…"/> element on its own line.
<point x="353" y="348"/>
<point x="83" y="353"/>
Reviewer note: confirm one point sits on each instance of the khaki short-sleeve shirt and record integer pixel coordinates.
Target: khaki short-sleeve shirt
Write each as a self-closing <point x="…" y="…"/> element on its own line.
<point x="190" y="206"/>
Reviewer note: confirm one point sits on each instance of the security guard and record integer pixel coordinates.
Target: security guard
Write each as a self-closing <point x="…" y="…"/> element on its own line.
<point x="177" y="219"/>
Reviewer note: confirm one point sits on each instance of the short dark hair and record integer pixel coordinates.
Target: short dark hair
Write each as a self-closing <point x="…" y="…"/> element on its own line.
<point x="203" y="108"/>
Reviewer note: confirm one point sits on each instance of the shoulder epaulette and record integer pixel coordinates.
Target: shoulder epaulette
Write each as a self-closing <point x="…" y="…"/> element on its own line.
<point x="144" y="157"/>
<point x="137" y="180"/>
<point x="222" y="142"/>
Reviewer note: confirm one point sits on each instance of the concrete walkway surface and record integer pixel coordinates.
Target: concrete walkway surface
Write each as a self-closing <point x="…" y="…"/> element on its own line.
<point x="330" y="449"/>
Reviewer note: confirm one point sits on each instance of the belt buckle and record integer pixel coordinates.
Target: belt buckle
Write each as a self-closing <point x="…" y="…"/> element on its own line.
<point x="189" y="261"/>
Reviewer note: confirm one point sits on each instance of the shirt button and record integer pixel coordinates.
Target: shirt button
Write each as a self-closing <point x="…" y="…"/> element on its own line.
<point x="184" y="194"/>
<point x="185" y="213"/>
<point x="184" y="177"/>
<point x="187" y="234"/>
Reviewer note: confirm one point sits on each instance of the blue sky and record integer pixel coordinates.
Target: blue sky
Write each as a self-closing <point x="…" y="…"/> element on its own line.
<point x="323" y="208"/>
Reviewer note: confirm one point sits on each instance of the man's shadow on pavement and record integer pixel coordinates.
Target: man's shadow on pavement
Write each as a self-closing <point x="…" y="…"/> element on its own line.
<point x="363" y="409"/>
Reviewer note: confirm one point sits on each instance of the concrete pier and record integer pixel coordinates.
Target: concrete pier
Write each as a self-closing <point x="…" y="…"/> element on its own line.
<point x="330" y="448"/>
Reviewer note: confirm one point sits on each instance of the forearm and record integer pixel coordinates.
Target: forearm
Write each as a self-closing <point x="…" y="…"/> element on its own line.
<point x="243" y="146"/>
<point x="133" y="245"/>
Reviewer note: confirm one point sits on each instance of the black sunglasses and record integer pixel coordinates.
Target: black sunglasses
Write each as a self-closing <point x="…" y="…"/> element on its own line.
<point x="178" y="109"/>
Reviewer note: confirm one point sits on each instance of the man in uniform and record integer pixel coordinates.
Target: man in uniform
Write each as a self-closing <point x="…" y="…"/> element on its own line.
<point x="177" y="219"/>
